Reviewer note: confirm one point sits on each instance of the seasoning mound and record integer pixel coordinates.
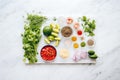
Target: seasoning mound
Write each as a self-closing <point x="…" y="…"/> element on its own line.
<point x="66" y="31"/>
<point x="90" y="42"/>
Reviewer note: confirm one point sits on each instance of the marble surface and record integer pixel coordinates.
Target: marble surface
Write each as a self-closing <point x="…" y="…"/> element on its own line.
<point x="107" y="15"/>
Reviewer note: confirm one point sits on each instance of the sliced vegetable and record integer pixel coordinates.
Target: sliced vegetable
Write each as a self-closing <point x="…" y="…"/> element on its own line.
<point x="91" y="52"/>
<point x="47" y="41"/>
<point x="83" y="44"/>
<point x="54" y="34"/>
<point x="31" y="36"/>
<point x="57" y="38"/>
<point x="78" y="55"/>
<point x="57" y="43"/>
<point x="51" y="38"/>
<point x="48" y="53"/>
<point x="94" y="56"/>
<point x="88" y="26"/>
<point x="52" y="25"/>
<point x="57" y="27"/>
<point x="56" y="30"/>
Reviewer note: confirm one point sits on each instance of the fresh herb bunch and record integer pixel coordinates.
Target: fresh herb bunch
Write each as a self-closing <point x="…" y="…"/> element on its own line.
<point x="31" y="36"/>
<point x="88" y="26"/>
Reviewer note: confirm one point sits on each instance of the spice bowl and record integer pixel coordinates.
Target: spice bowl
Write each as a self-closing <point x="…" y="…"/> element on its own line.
<point x="66" y="31"/>
<point x="90" y="42"/>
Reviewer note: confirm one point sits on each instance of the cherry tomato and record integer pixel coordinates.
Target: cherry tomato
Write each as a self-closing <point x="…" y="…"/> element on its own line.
<point x="79" y="32"/>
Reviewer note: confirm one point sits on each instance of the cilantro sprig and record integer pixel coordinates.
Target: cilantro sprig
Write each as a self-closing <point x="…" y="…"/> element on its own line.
<point x="88" y="26"/>
<point x="31" y="36"/>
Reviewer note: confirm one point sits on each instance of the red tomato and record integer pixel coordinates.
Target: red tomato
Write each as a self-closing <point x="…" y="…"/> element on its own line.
<point x="79" y="32"/>
<point x="48" y="53"/>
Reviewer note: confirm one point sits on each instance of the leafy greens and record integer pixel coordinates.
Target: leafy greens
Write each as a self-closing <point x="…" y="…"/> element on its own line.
<point x="88" y="25"/>
<point x="31" y="36"/>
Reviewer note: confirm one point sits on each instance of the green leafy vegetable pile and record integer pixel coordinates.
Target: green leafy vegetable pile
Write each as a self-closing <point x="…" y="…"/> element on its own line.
<point x="31" y="36"/>
<point x="88" y="26"/>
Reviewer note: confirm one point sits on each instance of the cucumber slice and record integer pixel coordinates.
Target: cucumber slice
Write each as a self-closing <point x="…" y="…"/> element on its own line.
<point x="51" y="38"/>
<point x="52" y="25"/>
<point x="93" y="56"/>
<point x="54" y="34"/>
<point x="57" y="38"/>
<point x="47" y="41"/>
<point x="57" y="26"/>
<point x="91" y="52"/>
<point x="55" y="30"/>
<point x="56" y="43"/>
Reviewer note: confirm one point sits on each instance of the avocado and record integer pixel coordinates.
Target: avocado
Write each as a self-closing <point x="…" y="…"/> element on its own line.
<point x="91" y="52"/>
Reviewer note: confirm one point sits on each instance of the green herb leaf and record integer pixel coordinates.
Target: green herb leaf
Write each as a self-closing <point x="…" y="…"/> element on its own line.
<point x="31" y="36"/>
<point x="88" y="26"/>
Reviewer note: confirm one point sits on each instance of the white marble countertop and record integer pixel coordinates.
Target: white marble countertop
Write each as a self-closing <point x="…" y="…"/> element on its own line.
<point x="107" y="15"/>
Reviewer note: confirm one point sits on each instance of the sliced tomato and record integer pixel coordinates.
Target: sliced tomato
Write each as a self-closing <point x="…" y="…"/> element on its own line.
<point x="48" y="53"/>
